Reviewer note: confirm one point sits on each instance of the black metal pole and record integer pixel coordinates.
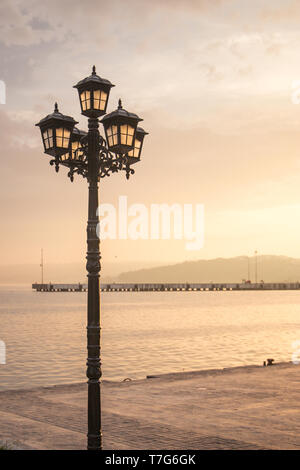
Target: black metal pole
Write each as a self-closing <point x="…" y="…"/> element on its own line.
<point x="93" y="313"/>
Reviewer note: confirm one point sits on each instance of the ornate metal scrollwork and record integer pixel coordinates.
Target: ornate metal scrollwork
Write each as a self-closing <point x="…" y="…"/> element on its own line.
<point x="93" y="264"/>
<point x="108" y="162"/>
<point x="55" y="162"/>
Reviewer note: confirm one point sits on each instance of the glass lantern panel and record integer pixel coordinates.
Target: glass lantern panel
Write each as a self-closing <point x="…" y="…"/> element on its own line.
<point x="109" y="136"/>
<point x="45" y="138"/>
<point x="66" y="138"/>
<point x="130" y="135"/>
<point x="62" y="137"/>
<point x="48" y="138"/>
<point x="115" y="134"/>
<point x="76" y="154"/>
<point x="100" y="98"/>
<point x="136" y="150"/>
<point x="75" y="146"/>
<point x="85" y="98"/>
<point x="127" y="134"/>
<point x="112" y="135"/>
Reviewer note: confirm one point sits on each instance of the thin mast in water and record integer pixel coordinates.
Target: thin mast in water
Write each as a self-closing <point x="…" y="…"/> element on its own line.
<point x="42" y="266"/>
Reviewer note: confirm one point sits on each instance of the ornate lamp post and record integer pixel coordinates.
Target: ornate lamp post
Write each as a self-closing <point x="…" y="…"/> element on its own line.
<point x="88" y="154"/>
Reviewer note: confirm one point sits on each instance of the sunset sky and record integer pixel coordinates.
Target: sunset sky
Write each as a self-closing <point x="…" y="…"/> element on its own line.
<point x="213" y="82"/>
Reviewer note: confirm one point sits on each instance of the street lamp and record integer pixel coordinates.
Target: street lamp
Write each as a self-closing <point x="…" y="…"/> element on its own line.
<point x="75" y="153"/>
<point x="88" y="154"/>
<point x="93" y="95"/>
<point x="56" y="130"/>
<point x="134" y="155"/>
<point x="120" y="129"/>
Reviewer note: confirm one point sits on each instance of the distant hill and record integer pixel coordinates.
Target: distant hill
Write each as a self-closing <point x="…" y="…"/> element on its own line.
<point x="62" y="272"/>
<point x="269" y="268"/>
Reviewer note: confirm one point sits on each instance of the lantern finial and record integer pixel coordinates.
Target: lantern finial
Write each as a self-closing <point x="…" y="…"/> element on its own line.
<point x="120" y="104"/>
<point x="56" y="108"/>
<point x="94" y="70"/>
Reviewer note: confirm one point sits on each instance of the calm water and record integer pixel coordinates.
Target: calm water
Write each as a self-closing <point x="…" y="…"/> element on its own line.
<point x="142" y="333"/>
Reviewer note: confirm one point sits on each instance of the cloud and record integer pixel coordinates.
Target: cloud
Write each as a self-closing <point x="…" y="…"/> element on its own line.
<point x="31" y="22"/>
<point x="211" y="79"/>
<point x="190" y="4"/>
<point x="281" y="11"/>
<point x="17" y="27"/>
<point x="13" y="130"/>
<point x="245" y="71"/>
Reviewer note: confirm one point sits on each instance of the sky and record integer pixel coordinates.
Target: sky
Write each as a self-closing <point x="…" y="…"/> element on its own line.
<point x="213" y="81"/>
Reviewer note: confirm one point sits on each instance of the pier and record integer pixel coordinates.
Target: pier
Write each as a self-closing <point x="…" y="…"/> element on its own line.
<point x="167" y="287"/>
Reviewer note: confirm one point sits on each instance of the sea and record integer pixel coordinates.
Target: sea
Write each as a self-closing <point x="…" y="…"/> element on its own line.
<point x="143" y="333"/>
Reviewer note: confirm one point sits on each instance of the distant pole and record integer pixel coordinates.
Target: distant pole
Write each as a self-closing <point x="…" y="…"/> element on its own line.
<point x="42" y="266"/>
<point x="248" y="269"/>
<point x="255" y="266"/>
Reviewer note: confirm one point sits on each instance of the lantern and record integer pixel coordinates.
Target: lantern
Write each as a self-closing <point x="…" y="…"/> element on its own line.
<point x="56" y="130"/>
<point x="93" y="95"/>
<point x="135" y="154"/>
<point x="120" y="129"/>
<point x="74" y="154"/>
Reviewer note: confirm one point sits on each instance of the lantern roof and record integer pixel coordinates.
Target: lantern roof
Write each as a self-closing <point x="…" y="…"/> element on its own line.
<point x="120" y="112"/>
<point x="57" y="116"/>
<point x="140" y="130"/>
<point x="79" y="132"/>
<point x="93" y="79"/>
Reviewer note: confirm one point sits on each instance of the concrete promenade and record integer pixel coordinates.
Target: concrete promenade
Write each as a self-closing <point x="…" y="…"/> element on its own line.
<point x="239" y="408"/>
